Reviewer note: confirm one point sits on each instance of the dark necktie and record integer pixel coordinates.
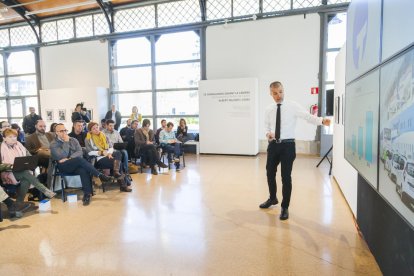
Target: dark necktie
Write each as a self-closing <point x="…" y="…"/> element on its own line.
<point x="278" y="122"/>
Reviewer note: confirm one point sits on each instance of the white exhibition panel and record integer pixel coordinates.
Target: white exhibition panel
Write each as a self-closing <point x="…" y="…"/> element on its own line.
<point x="398" y="20"/>
<point x="83" y="64"/>
<point x="344" y="173"/>
<point x="266" y="49"/>
<point x="363" y="37"/>
<point x="229" y="116"/>
<point x="64" y="100"/>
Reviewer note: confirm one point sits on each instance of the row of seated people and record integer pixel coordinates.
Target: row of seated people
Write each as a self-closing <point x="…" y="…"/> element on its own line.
<point x="72" y="152"/>
<point x="69" y="158"/>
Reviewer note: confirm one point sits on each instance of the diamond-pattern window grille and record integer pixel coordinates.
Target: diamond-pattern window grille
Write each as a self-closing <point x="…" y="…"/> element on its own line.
<point x="245" y="7"/>
<point x="276" y="5"/>
<point x="100" y="24"/>
<point x="49" y="31"/>
<point x="217" y="9"/>
<point x="331" y="2"/>
<point x="4" y="38"/>
<point x="22" y="36"/>
<point x="65" y="29"/>
<point x="179" y="12"/>
<point x="300" y="4"/>
<point x="84" y="26"/>
<point x="135" y="19"/>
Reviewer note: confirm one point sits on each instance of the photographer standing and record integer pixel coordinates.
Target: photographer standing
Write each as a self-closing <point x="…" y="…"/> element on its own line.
<point x="80" y="114"/>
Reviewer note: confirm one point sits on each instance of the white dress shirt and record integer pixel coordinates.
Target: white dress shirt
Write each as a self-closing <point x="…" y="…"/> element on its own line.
<point x="289" y="113"/>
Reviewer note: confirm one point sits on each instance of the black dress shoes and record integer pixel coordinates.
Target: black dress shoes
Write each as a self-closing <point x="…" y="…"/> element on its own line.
<point x="105" y="178"/>
<point x="284" y="215"/>
<point x="269" y="203"/>
<point x="86" y="200"/>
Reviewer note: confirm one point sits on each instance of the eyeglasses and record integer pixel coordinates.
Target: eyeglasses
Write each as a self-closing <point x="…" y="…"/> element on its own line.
<point x="63" y="130"/>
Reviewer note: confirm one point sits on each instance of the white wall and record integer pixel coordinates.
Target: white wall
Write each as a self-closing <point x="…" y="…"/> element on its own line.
<point x="95" y="98"/>
<point x="83" y="64"/>
<point x="344" y="173"/>
<point x="284" y="49"/>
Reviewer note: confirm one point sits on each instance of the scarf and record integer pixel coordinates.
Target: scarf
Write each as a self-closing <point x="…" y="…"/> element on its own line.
<point x="145" y="133"/>
<point x="99" y="140"/>
<point x="8" y="154"/>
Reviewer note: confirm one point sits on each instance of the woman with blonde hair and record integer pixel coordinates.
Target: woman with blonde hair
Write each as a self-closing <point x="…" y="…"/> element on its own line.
<point x="9" y="150"/>
<point x="135" y="115"/>
<point x="97" y="145"/>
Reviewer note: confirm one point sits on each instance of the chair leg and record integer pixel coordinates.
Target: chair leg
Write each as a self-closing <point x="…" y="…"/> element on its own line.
<point x="183" y="159"/>
<point x="1" y="214"/>
<point x="62" y="186"/>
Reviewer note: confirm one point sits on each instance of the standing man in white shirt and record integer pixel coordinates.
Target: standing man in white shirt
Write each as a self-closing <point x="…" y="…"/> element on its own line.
<point x="280" y="123"/>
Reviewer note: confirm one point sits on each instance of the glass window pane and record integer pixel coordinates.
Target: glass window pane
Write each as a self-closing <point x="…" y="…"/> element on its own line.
<point x="337" y="30"/>
<point x="2" y="88"/>
<point x="21" y="63"/>
<point x="49" y="31"/>
<point x="1" y="66"/>
<point x="217" y="9"/>
<point x="23" y="86"/>
<point x="177" y="103"/>
<point x="22" y="36"/>
<point x="16" y="108"/>
<point x="3" y="109"/>
<point x="132" y="51"/>
<point x="166" y="47"/>
<point x="301" y="4"/>
<point x="330" y="66"/>
<point x="178" y="12"/>
<point x="65" y="29"/>
<point x="31" y="102"/>
<point x="245" y="7"/>
<point x="4" y="38"/>
<point x="178" y="75"/>
<point x="126" y="101"/>
<point x="271" y="5"/>
<point x="132" y="79"/>
<point x="84" y="26"/>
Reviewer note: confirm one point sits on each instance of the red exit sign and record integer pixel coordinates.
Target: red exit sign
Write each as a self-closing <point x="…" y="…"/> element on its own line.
<point x="314" y="90"/>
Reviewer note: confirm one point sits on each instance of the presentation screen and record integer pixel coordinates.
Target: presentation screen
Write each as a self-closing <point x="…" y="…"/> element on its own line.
<point x="229" y="116"/>
<point x="396" y="170"/>
<point x="361" y="126"/>
<point x="363" y="38"/>
<point x="398" y="20"/>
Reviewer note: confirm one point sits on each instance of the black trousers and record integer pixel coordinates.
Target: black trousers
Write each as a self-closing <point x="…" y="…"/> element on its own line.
<point x="150" y="154"/>
<point x="285" y="154"/>
<point x="81" y="167"/>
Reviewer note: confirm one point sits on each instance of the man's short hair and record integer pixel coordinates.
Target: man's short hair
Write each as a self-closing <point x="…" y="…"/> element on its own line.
<point x="110" y="121"/>
<point x="38" y="121"/>
<point x="103" y="121"/>
<point x="134" y="121"/>
<point x="275" y="84"/>
<point x="163" y="120"/>
<point x="79" y="121"/>
<point x="170" y="124"/>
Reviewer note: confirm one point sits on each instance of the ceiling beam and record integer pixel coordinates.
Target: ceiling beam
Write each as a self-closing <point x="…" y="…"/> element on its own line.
<point x="108" y="11"/>
<point x="21" y="10"/>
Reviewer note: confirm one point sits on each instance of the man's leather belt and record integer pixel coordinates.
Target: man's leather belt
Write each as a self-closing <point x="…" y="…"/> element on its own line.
<point x="283" y="141"/>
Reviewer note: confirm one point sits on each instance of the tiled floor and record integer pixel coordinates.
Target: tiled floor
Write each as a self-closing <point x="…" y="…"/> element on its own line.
<point x="204" y="220"/>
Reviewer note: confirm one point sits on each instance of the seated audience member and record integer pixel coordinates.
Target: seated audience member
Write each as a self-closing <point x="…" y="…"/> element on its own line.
<point x="80" y="114"/>
<point x="171" y="145"/>
<point x="78" y="132"/>
<point x="113" y="137"/>
<point x="20" y="134"/>
<point x="157" y="134"/>
<point x="103" y="125"/>
<point x="67" y="153"/>
<point x="97" y="145"/>
<point x="145" y="146"/>
<point x="129" y="137"/>
<point x="124" y="130"/>
<point x="182" y="131"/>
<point x="30" y="120"/>
<point x="39" y="143"/>
<point x="15" y="209"/>
<point x="52" y="128"/>
<point x="3" y="126"/>
<point x="9" y="150"/>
